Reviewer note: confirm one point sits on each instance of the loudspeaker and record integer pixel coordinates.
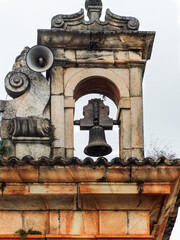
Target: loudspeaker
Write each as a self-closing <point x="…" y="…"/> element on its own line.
<point x="39" y="58"/>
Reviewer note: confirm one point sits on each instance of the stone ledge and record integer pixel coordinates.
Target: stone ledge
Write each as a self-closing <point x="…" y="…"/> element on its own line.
<point x="17" y="237"/>
<point x="67" y="237"/>
<point x="73" y="170"/>
<point x="123" y="188"/>
<point x="40" y="188"/>
<point x="84" y="188"/>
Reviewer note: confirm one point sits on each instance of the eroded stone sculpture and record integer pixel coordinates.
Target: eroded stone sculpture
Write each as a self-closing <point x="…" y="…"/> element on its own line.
<point x="26" y="118"/>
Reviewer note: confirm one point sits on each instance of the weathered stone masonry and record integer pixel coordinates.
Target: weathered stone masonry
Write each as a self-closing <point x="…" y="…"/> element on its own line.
<point x="43" y="186"/>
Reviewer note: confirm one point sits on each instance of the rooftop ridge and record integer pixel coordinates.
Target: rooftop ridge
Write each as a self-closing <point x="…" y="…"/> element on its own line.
<point x="45" y="161"/>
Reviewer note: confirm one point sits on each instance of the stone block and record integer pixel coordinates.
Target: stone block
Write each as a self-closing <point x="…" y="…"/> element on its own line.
<point x="53" y="188"/>
<point x="122" y="81"/>
<point x="54" y="222"/>
<point x="138" y="153"/>
<point x="135" y="56"/>
<point x="10" y="222"/>
<point x="60" y="202"/>
<point x="122" y="188"/>
<point x="84" y="56"/>
<point x="19" y="174"/>
<point x="58" y="53"/>
<point x="125" y="129"/>
<point x="69" y="102"/>
<point x="57" y="118"/>
<point x="34" y="150"/>
<point x="125" y="103"/>
<point x="69" y="73"/>
<point x="158" y="174"/>
<point x="58" y="151"/>
<point x="70" y="54"/>
<point x="38" y="202"/>
<point x="69" y="128"/>
<point x="136" y="82"/>
<point x="137" y="122"/>
<point x="121" y="56"/>
<point x="113" y="222"/>
<point x="69" y="153"/>
<point x="57" y="80"/>
<point x="79" y="223"/>
<point x="125" y="153"/>
<point x="100" y="188"/>
<point x="157" y="188"/>
<point x="72" y="173"/>
<point x="107" y="188"/>
<point x="119" y="202"/>
<point x="118" y="174"/>
<point x="16" y="189"/>
<point x="138" y="222"/>
<point x="56" y="144"/>
<point x="3" y="130"/>
<point x="37" y="220"/>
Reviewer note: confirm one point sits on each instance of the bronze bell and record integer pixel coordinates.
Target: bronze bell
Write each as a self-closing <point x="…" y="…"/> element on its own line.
<point x="97" y="145"/>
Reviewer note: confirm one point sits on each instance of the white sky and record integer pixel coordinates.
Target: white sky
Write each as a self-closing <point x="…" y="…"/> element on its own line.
<point x="20" y="19"/>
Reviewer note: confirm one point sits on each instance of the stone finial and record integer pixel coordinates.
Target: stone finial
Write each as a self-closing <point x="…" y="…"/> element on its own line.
<point x="94" y="9"/>
<point x="97" y="3"/>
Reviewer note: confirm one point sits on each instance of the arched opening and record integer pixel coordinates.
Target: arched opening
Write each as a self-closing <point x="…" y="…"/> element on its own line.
<point x="101" y="88"/>
<point x="98" y="85"/>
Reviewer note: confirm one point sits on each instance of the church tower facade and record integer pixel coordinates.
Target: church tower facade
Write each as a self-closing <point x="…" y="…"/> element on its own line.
<point x="44" y="187"/>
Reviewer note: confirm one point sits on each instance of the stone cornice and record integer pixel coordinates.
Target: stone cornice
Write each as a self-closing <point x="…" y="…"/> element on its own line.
<point x="98" y="40"/>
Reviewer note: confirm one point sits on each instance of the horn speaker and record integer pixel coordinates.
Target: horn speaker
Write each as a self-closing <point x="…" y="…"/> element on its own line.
<point x="39" y="58"/>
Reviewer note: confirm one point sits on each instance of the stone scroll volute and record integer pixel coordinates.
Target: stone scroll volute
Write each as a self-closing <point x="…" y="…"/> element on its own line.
<point x="27" y="115"/>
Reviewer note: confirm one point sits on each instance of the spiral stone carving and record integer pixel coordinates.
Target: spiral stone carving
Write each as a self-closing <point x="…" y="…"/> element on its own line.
<point x="16" y="83"/>
<point x="57" y="22"/>
<point x="43" y="127"/>
<point x="11" y="128"/>
<point x="133" y="24"/>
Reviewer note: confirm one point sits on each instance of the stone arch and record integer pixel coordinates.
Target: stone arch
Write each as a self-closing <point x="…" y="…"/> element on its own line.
<point x="99" y="85"/>
<point x="105" y="81"/>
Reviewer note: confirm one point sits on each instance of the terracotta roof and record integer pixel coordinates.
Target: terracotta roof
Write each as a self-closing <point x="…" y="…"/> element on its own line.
<point x="45" y="161"/>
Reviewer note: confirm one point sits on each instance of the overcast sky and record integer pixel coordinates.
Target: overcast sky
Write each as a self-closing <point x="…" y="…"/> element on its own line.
<point x="20" y="19"/>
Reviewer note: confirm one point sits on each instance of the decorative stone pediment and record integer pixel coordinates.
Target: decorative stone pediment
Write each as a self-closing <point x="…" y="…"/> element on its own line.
<point x="77" y="21"/>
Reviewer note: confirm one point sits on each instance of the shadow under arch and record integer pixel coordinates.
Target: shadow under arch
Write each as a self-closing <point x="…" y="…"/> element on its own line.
<point x="97" y="84"/>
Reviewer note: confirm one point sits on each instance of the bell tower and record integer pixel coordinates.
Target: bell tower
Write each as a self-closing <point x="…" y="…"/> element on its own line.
<point x="46" y="190"/>
<point x="94" y="56"/>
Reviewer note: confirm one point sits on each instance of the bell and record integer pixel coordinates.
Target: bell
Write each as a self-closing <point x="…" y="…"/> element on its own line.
<point x="97" y="145"/>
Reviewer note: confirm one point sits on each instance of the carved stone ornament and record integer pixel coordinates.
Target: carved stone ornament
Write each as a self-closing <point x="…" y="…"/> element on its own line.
<point x="16" y="83"/>
<point x="29" y="127"/>
<point x="77" y="21"/>
<point x="30" y="90"/>
<point x="93" y="3"/>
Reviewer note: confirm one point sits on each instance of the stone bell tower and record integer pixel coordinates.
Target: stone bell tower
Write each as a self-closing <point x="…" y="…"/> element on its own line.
<point x="94" y="56"/>
<point x="106" y="57"/>
<point x="43" y="186"/>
